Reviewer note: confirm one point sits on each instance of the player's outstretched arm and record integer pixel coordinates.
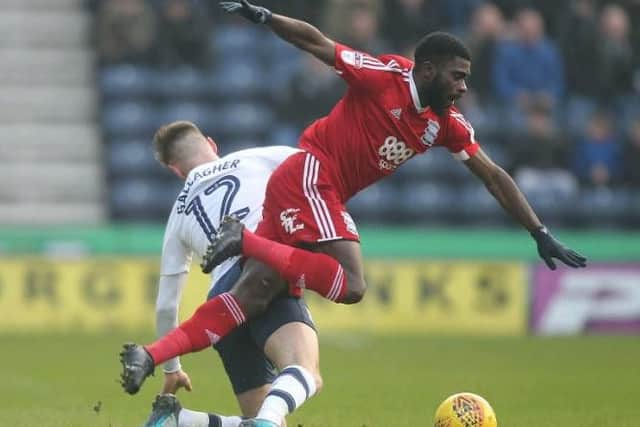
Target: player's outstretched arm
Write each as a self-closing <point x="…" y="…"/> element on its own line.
<point x="167" y="302"/>
<point x="299" y="33"/>
<point x="507" y="193"/>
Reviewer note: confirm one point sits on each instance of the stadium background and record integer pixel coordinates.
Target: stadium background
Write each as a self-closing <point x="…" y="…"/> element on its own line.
<point x="82" y="205"/>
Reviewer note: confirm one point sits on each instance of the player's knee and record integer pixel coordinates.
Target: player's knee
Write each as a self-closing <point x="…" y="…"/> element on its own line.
<point x="355" y="291"/>
<point x="254" y="298"/>
<point x="252" y="304"/>
<point x="259" y="305"/>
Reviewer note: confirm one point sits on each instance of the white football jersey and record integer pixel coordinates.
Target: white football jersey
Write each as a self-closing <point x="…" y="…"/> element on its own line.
<point x="232" y="185"/>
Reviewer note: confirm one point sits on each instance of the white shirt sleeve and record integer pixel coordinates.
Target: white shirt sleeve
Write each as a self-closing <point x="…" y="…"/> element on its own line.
<point x="167" y="304"/>
<point x="176" y="254"/>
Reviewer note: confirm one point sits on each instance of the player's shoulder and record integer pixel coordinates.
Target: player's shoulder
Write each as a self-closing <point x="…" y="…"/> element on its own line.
<point x="456" y="119"/>
<point x="387" y="64"/>
<point x="271" y="152"/>
<point x="458" y="127"/>
<point x="252" y="160"/>
<point x="396" y="61"/>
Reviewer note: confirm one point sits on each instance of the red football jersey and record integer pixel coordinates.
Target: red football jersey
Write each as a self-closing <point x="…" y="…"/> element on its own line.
<point x="379" y="123"/>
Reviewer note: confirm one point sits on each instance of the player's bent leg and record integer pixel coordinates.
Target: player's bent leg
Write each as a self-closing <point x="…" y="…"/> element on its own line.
<point x="334" y="271"/>
<point x="293" y="348"/>
<point x="250" y="401"/>
<point x="257" y="287"/>
<point x="349" y="255"/>
<point x="249" y="371"/>
<point x="167" y="411"/>
<point x="212" y="321"/>
<point x="295" y="343"/>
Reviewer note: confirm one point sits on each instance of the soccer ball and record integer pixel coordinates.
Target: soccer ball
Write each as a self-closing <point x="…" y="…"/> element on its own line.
<point x="465" y="410"/>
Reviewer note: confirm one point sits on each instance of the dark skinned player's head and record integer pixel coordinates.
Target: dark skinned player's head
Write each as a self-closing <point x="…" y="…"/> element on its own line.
<point x="442" y="63"/>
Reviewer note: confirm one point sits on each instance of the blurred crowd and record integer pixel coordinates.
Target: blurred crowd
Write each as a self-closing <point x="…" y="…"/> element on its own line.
<point x="554" y="93"/>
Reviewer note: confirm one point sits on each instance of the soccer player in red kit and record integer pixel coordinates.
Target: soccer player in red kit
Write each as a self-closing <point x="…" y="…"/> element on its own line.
<point x="394" y="109"/>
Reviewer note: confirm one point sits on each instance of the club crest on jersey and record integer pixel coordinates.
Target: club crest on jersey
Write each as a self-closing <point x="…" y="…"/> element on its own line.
<point x="430" y="133"/>
<point x="288" y="219"/>
<point x="350" y="223"/>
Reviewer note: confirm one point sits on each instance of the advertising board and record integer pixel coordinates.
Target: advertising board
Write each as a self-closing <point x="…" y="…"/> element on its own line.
<point x="600" y="298"/>
<point x="43" y="294"/>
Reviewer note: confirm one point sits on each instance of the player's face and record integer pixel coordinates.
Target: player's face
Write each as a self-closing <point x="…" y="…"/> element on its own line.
<point x="449" y="83"/>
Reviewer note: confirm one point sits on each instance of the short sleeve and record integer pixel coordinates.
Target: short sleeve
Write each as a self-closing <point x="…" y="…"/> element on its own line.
<point x="461" y="140"/>
<point x="176" y="256"/>
<point x="362" y="70"/>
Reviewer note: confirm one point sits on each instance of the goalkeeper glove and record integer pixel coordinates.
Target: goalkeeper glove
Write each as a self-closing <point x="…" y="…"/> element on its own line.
<point x="549" y="248"/>
<point x="255" y="14"/>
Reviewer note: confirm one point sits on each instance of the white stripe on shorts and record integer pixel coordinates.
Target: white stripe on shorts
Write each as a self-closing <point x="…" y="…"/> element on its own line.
<point x="318" y="206"/>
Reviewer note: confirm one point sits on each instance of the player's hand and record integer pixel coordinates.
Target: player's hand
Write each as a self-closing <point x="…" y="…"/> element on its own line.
<point x="255" y="14"/>
<point x="174" y="381"/>
<point x="549" y="248"/>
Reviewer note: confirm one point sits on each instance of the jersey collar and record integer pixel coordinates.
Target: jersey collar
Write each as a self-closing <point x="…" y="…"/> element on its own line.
<point x="414" y="94"/>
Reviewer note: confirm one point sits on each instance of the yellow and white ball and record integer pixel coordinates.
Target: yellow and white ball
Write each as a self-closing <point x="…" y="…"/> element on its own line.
<point x="465" y="410"/>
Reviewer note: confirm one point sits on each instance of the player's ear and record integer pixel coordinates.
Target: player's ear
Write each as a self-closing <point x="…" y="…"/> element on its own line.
<point x="429" y="70"/>
<point x="213" y="144"/>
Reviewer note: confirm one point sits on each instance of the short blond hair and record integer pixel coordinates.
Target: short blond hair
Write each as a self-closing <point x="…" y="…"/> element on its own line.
<point x="166" y="138"/>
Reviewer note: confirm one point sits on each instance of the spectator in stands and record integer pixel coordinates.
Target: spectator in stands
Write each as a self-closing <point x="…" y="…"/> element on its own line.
<point x="337" y="13"/>
<point x="486" y="32"/>
<point x="458" y="13"/>
<point x="541" y="145"/>
<point x="632" y="155"/>
<point x="528" y="70"/>
<point x="406" y="21"/>
<point x="597" y="161"/>
<point x="362" y="31"/>
<point x="615" y="55"/>
<point x="312" y="11"/>
<point x="578" y="41"/>
<point x="478" y="105"/>
<point x="540" y="153"/>
<point x="633" y="12"/>
<point x="510" y="8"/>
<point x="126" y="32"/>
<point x="313" y="90"/>
<point x="184" y="34"/>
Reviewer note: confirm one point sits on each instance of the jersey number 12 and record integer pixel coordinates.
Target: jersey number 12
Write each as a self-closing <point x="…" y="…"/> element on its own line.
<point x="230" y="184"/>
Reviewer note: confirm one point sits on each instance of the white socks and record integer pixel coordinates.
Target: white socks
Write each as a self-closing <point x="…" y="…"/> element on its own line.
<point x="188" y="418"/>
<point x="291" y="389"/>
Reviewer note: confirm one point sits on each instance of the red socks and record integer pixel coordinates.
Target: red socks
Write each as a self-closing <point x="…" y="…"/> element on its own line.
<point x="211" y="322"/>
<point x="217" y="317"/>
<point x="302" y="269"/>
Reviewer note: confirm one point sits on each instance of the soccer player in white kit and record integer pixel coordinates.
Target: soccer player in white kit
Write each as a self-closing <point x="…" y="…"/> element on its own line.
<point x="285" y="335"/>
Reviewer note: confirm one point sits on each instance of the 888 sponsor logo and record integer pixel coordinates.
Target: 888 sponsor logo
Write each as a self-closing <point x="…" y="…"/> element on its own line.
<point x="393" y="153"/>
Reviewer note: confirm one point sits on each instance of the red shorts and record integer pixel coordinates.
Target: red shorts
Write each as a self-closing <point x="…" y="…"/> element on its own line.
<point x="302" y="206"/>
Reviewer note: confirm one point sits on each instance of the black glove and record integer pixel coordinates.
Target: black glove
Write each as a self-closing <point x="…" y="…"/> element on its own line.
<point x="549" y="247"/>
<point x="255" y="14"/>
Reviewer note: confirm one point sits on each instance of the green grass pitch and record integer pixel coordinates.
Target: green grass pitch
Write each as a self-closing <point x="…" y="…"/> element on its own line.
<point x="370" y="380"/>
